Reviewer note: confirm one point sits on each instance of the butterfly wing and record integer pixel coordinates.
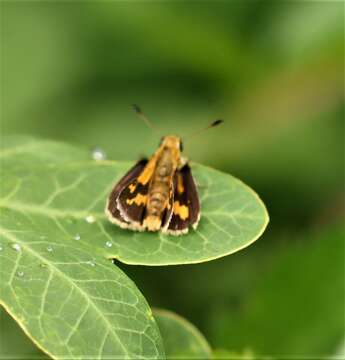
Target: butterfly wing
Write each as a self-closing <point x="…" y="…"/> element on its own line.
<point x="112" y="211"/>
<point x="132" y="200"/>
<point x="186" y="205"/>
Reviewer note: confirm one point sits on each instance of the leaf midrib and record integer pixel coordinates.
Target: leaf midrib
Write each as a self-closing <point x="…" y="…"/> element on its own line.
<point x="61" y="274"/>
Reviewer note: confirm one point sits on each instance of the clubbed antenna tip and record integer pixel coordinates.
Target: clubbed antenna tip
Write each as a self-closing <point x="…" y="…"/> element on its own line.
<point x="138" y="111"/>
<point x="136" y="108"/>
<point x="217" y="122"/>
<point x="213" y="124"/>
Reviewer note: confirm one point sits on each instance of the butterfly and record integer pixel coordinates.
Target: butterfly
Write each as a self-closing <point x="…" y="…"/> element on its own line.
<point x="159" y="193"/>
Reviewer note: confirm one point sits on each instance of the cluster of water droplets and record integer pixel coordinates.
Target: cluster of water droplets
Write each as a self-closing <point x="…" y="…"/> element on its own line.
<point x="97" y="154"/>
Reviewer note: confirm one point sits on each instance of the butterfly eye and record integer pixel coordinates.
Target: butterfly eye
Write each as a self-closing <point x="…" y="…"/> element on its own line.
<point x="181" y="146"/>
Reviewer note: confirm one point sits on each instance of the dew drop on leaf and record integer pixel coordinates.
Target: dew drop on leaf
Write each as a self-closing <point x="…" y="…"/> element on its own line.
<point x="20" y="273"/>
<point x="98" y="154"/>
<point x="90" y="219"/>
<point x="0" y="248"/>
<point x="77" y="237"/>
<point x="16" y="247"/>
<point x="49" y="248"/>
<point x="91" y="263"/>
<point x="109" y="244"/>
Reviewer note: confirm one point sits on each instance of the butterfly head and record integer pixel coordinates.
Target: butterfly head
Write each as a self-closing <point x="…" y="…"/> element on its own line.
<point x="171" y="142"/>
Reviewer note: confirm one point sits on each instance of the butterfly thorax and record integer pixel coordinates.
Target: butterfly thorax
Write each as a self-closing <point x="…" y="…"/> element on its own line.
<point x="161" y="185"/>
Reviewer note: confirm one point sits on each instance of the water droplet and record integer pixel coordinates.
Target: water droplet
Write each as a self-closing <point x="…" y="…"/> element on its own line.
<point x="91" y="263"/>
<point x="90" y="219"/>
<point x="0" y="248"/>
<point x="20" y="273"/>
<point x="43" y="265"/>
<point x="98" y="154"/>
<point x="109" y="244"/>
<point x="50" y="248"/>
<point x="16" y="247"/>
<point x="77" y="237"/>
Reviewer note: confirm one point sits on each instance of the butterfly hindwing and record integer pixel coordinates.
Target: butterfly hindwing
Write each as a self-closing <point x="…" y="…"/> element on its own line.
<point x="112" y="210"/>
<point x="186" y="205"/>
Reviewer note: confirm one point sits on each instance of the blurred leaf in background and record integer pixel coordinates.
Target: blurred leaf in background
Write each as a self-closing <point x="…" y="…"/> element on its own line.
<point x="275" y="73"/>
<point x="296" y="307"/>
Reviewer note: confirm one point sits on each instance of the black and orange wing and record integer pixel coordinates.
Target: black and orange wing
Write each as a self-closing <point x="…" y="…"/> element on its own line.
<point x="112" y="210"/>
<point x="186" y="204"/>
<point x="132" y="200"/>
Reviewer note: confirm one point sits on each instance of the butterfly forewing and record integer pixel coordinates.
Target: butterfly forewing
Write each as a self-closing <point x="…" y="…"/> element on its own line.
<point x="186" y="205"/>
<point x="132" y="201"/>
<point x="112" y="209"/>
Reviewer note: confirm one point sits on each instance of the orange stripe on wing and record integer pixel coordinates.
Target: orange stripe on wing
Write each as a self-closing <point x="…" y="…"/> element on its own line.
<point x="180" y="187"/>
<point x="132" y="188"/>
<point x="139" y="199"/>
<point x="181" y="210"/>
<point x="147" y="173"/>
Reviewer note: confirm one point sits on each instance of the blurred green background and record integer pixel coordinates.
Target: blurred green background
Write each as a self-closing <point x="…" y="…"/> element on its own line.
<point x="275" y="73"/>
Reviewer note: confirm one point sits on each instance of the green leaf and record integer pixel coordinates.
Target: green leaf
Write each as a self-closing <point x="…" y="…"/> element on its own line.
<point x="56" y="184"/>
<point x="14" y="343"/>
<point x="181" y="339"/>
<point x="67" y="297"/>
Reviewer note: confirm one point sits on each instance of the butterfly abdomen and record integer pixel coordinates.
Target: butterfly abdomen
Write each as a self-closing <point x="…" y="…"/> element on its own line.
<point x="160" y="191"/>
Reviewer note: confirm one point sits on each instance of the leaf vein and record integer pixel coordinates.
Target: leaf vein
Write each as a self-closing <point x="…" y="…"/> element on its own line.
<point x="82" y="292"/>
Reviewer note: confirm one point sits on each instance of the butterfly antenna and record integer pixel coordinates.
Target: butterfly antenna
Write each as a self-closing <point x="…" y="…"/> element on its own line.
<point x="142" y="116"/>
<point x="212" y="125"/>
